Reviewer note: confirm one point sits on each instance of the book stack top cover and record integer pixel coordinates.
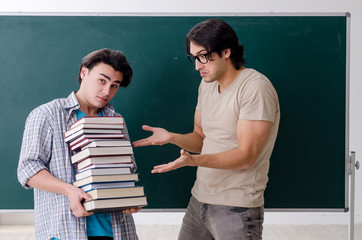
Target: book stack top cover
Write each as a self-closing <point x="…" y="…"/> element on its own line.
<point x="104" y="161"/>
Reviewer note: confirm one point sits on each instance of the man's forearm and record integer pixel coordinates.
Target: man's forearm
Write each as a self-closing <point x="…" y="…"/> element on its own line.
<point x="232" y="159"/>
<point x="45" y="181"/>
<point x="191" y="142"/>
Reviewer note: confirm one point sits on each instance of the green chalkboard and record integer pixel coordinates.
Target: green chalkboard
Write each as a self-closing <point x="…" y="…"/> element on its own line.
<point x="304" y="57"/>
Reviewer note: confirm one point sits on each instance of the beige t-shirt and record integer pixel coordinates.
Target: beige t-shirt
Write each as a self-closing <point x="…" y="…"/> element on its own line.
<point x="251" y="96"/>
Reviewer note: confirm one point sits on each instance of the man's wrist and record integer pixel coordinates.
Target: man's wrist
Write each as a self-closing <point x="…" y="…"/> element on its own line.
<point x="172" y="138"/>
<point x="193" y="160"/>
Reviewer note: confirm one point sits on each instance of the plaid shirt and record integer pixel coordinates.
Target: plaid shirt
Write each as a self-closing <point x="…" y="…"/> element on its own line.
<point x="43" y="147"/>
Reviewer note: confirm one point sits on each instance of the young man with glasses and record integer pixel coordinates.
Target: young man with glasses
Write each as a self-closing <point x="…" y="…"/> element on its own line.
<point x="235" y="128"/>
<point x="45" y="163"/>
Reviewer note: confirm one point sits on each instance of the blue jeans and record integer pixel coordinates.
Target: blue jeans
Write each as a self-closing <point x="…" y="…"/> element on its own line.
<point x="206" y="221"/>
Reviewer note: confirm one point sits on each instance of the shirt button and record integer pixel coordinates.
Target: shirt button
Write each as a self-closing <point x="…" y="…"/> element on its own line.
<point x="82" y="223"/>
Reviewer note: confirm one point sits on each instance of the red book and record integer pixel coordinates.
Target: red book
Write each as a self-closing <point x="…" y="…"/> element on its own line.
<point x="99" y="143"/>
<point x="89" y="137"/>
<point x="104" y="160"/>
<point x="101" y="151"/>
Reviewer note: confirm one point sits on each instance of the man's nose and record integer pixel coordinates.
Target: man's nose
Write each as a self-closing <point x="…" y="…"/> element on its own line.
<point x="198" y="65"/>
<point x="106" y="90"/>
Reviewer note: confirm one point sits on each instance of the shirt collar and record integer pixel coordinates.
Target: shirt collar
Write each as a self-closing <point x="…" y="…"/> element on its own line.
<point x="72" y="104"/>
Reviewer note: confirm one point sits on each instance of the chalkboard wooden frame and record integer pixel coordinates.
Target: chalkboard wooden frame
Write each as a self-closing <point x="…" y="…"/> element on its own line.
<point x="40" y="54"/>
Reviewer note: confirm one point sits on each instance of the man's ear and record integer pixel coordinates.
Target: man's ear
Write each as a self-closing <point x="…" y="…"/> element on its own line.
<point x="227" y="52"/>
<point x="84" y="72"/>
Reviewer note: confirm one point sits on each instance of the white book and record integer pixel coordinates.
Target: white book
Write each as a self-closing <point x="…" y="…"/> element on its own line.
<point x="93" y="128"/>
<point x="93" y="186"/>
<point x="70" y="135"/>
<point x="108" y="143"/>
<point x="106" y="165"/>
<point x="97" y="125"/>
<point x="79" y="144"/>
<point x="104" y="160"/>
<point x="99" y="120"/>
<point x="106" y="178"/>
<point x="76" y="137"/>
<point x="115" y="204"/>
<point x="101" y="151"/>
<point x="116" y="192"/>
<point x="85" y="139"/>
<point x="102" y="171"/>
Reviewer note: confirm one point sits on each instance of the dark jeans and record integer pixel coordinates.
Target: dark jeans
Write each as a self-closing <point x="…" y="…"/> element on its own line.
<point x="208" y="222"/>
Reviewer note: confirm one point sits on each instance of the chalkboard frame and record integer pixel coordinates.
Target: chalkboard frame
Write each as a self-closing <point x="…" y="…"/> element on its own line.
<point x="347" y="15"/>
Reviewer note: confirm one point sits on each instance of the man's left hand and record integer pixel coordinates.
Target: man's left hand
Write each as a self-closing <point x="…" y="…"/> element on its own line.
<point x="182" y="161"/>
<point x="132" y="210"/>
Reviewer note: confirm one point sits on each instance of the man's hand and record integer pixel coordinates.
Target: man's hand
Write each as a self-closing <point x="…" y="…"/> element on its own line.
<point x="76" y="197"/>
<point x="160" y="136"/>
<point x="184" y="160"/>
<point x="45" y="181"/>
<point x="132" y="210"/>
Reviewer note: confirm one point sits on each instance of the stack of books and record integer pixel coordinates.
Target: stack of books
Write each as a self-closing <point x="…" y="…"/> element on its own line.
<point x="103" y="159"/>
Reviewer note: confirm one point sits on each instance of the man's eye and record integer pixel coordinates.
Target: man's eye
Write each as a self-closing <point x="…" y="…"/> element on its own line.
<point x="202" y="57"/>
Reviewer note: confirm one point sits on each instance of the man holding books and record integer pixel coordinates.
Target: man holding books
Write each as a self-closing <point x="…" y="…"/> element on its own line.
<point x="45" y="158"/>
<point x="235" y="127"/>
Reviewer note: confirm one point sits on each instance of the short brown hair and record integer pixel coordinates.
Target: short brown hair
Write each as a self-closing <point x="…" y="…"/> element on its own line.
<point x="113" y="58"/>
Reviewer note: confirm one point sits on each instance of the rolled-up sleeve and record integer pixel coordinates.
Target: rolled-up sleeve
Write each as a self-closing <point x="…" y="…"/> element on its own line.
<point x="36" y="146"/>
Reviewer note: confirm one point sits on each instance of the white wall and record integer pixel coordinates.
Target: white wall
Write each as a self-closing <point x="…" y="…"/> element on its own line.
<point x="239" y="6"/>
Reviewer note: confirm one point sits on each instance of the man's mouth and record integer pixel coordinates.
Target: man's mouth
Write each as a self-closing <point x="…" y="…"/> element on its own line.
<point x="203" y="74"/>
<point x="103" y="99"/>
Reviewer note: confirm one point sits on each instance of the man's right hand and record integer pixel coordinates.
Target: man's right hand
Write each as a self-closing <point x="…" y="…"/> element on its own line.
<point x="76" y="197"/>
<point x="159" y="137"/>
<point x="45" y="181"/>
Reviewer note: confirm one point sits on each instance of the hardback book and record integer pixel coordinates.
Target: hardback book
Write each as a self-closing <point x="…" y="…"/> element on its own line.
<point x="94" y="136"/>
<point x="101" y="151"/>
<point x="115" y="204"/>
<point x="85" y="139"/>
<point x="93" y="126"/>
<point x="108" y="143"/>
<point x="101" y="185"/>
<point x="99" y="120"/>
<point x="102" y="171"/>
<point x="68" y="137"/>
<point x="116" y="192"/>
<point x="97" y="125"/>
<point x="106" y="165"/>
<point x="103" y="160"/>
<point x="79" y="144"/>
<point x="106" y="178"/>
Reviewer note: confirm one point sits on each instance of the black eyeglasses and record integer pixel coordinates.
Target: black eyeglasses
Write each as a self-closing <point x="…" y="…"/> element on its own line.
<point x="202" y="58"/>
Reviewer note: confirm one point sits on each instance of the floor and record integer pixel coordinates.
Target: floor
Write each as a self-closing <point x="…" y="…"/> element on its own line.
<point x="310" y="232"/>
<point x="169" y="232"/>
<point x="271" y="232"/>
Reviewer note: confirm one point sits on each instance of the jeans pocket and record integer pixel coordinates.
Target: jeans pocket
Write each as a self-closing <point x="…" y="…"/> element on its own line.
<point x="238" y="209"/>
<point x="253" y="220"/>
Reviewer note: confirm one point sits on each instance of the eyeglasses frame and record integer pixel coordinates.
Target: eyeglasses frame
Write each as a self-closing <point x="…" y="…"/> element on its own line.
<point x="193" y="59"/>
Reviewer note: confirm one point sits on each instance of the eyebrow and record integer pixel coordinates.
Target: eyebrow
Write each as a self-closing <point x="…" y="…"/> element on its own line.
<point x="201" y="51"/>
<point x="198" y="53"/>
<point x="106" y="76"/>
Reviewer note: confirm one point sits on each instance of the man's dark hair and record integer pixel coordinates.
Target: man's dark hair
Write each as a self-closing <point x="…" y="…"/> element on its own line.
<point x="113" y="58"/>
<point x="215" y="35"/>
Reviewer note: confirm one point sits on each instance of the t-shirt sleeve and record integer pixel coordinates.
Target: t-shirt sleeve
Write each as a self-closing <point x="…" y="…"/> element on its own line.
<point x="259" y="101"/>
